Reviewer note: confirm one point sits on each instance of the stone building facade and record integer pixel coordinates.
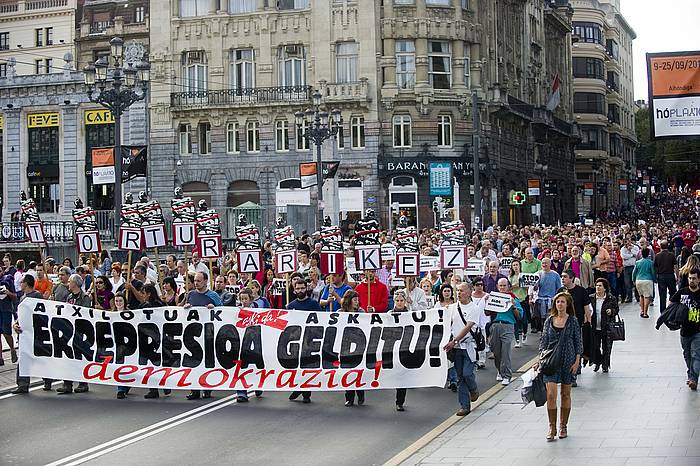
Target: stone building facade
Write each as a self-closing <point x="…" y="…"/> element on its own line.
<point x="604" y="106"/>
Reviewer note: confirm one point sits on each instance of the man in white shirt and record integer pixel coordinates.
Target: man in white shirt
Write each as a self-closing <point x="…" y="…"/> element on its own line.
<point x="197" y="265"/>
<point x="486" y="251"/>
<point x="465" y="315"/>
<point x="629" y="253"/>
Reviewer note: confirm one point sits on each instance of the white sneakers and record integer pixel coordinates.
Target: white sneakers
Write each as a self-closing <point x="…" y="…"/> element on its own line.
<point x="498" y="377"/>
<point x="505" y="382"/>
<point x="517" y="343"/>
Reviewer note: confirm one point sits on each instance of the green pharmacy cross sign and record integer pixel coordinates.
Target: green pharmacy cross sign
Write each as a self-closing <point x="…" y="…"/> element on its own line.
<point x="517" y="198"/>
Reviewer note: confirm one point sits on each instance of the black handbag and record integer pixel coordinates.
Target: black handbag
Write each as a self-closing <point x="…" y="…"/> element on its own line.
<point x="539" y="391"/>
<point x="551" y="358"/>
<point x="616" y="329"/>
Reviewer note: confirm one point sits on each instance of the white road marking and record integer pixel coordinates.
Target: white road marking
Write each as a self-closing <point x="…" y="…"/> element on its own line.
<point x="10" y="395"/>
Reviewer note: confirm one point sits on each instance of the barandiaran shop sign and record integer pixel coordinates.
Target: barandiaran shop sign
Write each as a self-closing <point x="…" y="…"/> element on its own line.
<point x="417" y="167"/>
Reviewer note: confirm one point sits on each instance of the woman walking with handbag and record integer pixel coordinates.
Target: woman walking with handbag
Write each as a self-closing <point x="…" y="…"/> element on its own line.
<point x="561" y="349"/>
<point x="605" y="309"/>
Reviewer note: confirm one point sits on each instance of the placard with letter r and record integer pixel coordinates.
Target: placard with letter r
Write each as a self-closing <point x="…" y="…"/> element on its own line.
<point x="88" y="242"/>
<point x="368" y="257"/>
<point x="249" y="260"/>
<point x="130" y="238"/>
<point x="209" y="246"/>
<point x="285" y="261"/>
<point x="453" y="257"/>
<point x="407" y="264"/>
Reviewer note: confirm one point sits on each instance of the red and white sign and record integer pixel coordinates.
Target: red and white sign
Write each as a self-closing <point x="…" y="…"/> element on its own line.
<point x="88" y="242"/>
<point x="154" y="236"/>
<point x="35" y="232"/>
<point x="332" y="263"/>
<point x="130" y="239"/>
<point x="407" y="264"/>
<point x="453" y="257"/>
<point x="249" y="260"/>
<point x="209" y="246"/>
<point x="285" y="261"/>
<point x="184" y="234"/>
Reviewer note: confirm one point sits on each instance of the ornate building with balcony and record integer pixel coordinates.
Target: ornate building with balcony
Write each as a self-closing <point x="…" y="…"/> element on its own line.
<point x="512" y="54"/>
<point x="227" y="79"/>
<point x="603" y="106"/>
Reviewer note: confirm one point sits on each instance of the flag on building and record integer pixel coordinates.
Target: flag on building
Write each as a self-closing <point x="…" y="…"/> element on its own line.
<point x="555" y="96"/>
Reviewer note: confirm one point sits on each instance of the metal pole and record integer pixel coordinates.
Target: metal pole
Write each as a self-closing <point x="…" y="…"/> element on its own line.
<point x="319" y="181"/>
<point x="476" y="123"/>
<point x="117" y="171"/>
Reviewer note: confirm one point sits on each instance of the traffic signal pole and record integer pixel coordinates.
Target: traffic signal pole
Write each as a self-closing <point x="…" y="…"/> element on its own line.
<point x="476" y="124"/>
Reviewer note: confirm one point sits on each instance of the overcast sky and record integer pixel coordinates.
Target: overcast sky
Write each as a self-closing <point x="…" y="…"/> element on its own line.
<point x="661" y="26"/>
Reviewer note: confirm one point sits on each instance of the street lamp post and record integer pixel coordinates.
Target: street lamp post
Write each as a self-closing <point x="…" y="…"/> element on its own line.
<point x="114" y="88"/>
<point x="320" y="128"/>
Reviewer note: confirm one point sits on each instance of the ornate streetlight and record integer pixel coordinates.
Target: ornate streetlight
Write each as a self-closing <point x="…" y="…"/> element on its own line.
<point x="115" y="88"/>
<point x="320" y="127"/>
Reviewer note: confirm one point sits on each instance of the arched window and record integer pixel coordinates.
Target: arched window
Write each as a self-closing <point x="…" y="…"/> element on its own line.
<point x="242" y="191"/>
<point x="197" y="190"/>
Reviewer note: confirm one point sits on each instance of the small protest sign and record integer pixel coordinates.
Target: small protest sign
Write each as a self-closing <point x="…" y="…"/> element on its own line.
<point x="498" y="302"/>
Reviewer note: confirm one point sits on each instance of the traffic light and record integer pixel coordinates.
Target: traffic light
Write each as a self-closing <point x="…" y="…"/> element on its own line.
<point x="517" y="198"/>
<point x="697" y="194"/>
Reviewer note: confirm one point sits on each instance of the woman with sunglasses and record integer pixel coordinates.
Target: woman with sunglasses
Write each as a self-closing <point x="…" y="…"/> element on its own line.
<point x="105" y="297"/>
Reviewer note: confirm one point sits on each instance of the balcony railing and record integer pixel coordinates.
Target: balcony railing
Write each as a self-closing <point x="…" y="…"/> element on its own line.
<point x="100" y="27"/>
<point x="9" y="8"/>
<point x="242" y="97"/>
<point x="345" y="92"/>
<point x="54" y="232"/>
<point x="45" y="4"/>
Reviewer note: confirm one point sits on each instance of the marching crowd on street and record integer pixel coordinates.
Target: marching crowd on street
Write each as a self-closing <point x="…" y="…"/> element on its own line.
<point x="584" y="273"/>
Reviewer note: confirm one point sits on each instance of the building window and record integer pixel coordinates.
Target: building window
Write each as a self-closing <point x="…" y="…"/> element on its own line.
<point x="467" y="72"/>
<point x="592" y="138"/>
<point x="241" y="6"/>
<point x="49" y="36"/>
<point x="243" y="69"/>
<point x="194" y="71"/>
<point x="185" y="132"/>
<point x="292" y="4"/>
<point x="612" y="48"/>
<point x="140" y="14"/>
<point x="204" y="138"/>
<point x="440" y="64"/>
<point x="291" y="63"/>
<point x="302" y="142"/>
<point x="614" y="113"/>
<point x="281" y="136"/>
<point x="404" y="2"/>
<point x="444" y="131"/>
<point x="189" y="8"/>
<point x="4" y="41"/>
<point x="233" y="144"/>
<point x="587" y="67"/>
<point x="357" y="132"/>
<point x="438" y="2"/>
<point x="613" y="81"/>
<point x="253" y="136"/>
<point x="3" y="70"/>
<point x="402" y="131"/>
<point x="465" y="4"/>
<point x="405" y="64"/>
<point x="39" y="37"/>
<point x="43" y="157"/>
<point x="346" y="62"/>
<point x="588" y="32"/>
<point x="38" y="65"/>
<point x="99" y="196"/>
<point x="340" y="137"/>
<point x="589" y="102"/>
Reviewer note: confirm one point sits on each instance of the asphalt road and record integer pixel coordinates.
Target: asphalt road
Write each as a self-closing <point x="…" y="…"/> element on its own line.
<point x="96" y="428"/>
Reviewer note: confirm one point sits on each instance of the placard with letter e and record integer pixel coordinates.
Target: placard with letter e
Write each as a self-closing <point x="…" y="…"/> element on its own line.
<point x="184" y="234"/>
<point x="453" y="257"/>
<point x="154" y="236"/>
<point x="35" y="232"/>
<point x="249" y="260"/>
<point x="407" y="264"/>
<point x="88" y="242"/>
<point x="209" y="246"/>
<point x="130" y="238"/>
<point x="285" y="261"/>
<point x="368" y="257"/>
<point x="332" y="262"/>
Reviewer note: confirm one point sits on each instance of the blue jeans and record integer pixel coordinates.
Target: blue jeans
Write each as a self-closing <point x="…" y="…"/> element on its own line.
<point x="612" y="279"/>
<point x="452" y="376"/>
<point x="466" y="377"/>
<point x="521" y="324"/>
<point x="691" y="354"/>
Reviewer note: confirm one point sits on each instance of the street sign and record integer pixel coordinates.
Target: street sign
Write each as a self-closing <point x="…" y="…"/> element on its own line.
<point x="517" y="198"/>
<point x="533" y="187"/>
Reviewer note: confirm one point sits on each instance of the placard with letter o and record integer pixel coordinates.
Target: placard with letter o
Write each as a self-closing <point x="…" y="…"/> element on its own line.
<point x="88" y="242"/>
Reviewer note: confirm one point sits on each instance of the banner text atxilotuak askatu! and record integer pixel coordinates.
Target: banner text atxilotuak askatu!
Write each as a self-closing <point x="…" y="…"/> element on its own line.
<point x="230" y="348"/>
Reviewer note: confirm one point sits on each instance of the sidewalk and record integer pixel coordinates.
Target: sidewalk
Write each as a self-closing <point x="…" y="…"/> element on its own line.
<point x="640" y="413"/>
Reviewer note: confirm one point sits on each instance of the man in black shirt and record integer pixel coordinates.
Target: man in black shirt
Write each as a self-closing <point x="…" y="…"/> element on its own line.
<point x="582" y="306"/>
<point x="303" y="303"/>
<point x="665" y="265"/>
<point x="690" y="331"/>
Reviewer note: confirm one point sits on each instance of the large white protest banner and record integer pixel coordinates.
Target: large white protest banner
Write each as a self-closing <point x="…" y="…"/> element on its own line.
<point x="229" y="348"/>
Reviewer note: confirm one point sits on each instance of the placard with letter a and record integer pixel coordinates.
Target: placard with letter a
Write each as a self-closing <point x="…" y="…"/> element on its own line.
<point x="88" y="242"/>
<point x="130" y="239"/>
<point x="332" y="262"/>
<point x="249" y="260"/>
<point x="368" y="257"/>
<point x="184" y="234"/>
<point x="209" y="246"/>
<point x="453" y="257"/>
<point x="285" y="261"/>
<point x="407" y="264"/>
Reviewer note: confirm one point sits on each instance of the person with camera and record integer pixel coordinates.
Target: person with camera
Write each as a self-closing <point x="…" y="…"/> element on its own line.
<point x="8" y="309"/>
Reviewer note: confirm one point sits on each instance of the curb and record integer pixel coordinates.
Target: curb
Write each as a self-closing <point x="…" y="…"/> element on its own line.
<point x="422" y="442"/>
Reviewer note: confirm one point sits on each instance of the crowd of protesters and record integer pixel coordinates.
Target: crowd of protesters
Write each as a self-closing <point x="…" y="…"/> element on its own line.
<point x="585" y="272"/>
